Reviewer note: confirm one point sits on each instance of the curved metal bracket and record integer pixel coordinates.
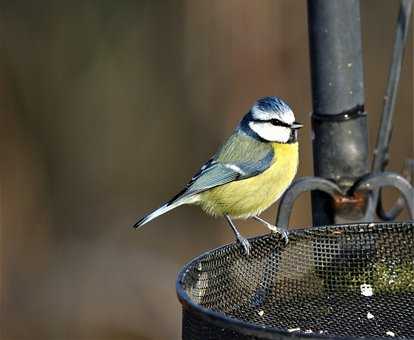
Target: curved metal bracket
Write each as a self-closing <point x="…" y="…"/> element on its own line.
<point x="371" y="183"/>
<point x="301" y="185"/>
<point x="368" y="184"/>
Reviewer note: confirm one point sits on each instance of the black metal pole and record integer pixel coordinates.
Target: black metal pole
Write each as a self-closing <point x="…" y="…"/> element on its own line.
<point x="340" y="143"/>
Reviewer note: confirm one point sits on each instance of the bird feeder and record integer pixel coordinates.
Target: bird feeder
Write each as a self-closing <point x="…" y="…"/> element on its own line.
<point x="331" y="282"/>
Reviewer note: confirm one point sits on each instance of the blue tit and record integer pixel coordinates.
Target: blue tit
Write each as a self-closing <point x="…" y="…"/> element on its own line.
<point x="250" y="171"/>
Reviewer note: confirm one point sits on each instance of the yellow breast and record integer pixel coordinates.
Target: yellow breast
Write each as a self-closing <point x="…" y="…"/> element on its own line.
<point x="248" y="197"/>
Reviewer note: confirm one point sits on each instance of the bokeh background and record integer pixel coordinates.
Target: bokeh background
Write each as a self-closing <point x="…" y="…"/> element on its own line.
<point x="106" y="109"/>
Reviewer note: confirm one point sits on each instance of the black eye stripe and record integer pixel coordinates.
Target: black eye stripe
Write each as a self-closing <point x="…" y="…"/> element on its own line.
<point x="275" y="122"/>
<point x="278" y="122"/>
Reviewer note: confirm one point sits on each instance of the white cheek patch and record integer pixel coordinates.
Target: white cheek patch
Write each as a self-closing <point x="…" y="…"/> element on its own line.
<point x="270" y="132"/>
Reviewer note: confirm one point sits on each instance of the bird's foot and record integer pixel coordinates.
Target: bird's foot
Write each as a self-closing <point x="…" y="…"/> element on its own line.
<point x="275" y="229"/>
<point x="245" y="244"/>
<point x="284" y="233"/>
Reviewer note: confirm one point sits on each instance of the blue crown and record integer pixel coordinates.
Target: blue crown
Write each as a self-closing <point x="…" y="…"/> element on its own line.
<point x="275" y="104"/>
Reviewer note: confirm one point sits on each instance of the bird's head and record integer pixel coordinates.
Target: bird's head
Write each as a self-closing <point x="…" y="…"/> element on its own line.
<point x="272" y="120"/>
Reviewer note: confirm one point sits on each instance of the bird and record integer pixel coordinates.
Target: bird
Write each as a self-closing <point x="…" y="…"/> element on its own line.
<point x="249" y="172"/>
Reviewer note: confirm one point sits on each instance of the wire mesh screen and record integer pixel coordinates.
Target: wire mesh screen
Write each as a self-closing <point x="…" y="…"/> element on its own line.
<point x="336" y="281"/>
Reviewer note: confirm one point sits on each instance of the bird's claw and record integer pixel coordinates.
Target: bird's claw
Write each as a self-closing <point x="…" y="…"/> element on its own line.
<point x="284" y="233"/>
<point x="245" y="244"/>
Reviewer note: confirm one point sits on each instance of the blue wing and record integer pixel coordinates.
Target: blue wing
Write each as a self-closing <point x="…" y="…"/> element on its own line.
<point x="240" y="157"/>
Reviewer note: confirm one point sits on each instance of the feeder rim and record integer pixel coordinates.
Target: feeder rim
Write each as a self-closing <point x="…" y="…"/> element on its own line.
<point x="248" y="328"/>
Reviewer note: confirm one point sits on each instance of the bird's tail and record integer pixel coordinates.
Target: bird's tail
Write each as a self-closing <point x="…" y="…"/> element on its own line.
<point x="157" y="212"/>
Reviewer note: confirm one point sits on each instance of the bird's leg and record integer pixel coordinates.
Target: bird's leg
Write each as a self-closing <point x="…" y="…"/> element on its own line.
<point x="240" y="238"/>
<point x="283" y="231"/>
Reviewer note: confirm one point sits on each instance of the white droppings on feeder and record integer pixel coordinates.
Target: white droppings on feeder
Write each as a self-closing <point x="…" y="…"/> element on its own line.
<point x="389" y="333"/>
<point x="321" y="332"/>
<point x="290" y="330"/>
<point x="370" y="316"/>
<point x="260" y="312"/>
<point x="366" y="290"/>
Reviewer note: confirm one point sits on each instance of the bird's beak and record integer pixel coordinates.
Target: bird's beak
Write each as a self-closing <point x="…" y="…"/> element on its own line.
<point x="296" y="126"/>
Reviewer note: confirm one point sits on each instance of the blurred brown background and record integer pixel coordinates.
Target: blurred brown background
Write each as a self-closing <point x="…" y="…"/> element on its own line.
<point x="106" y="109"/>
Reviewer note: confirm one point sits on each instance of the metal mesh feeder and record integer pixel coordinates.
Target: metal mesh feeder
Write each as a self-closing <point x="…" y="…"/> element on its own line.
<point x="345" y="281"/>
